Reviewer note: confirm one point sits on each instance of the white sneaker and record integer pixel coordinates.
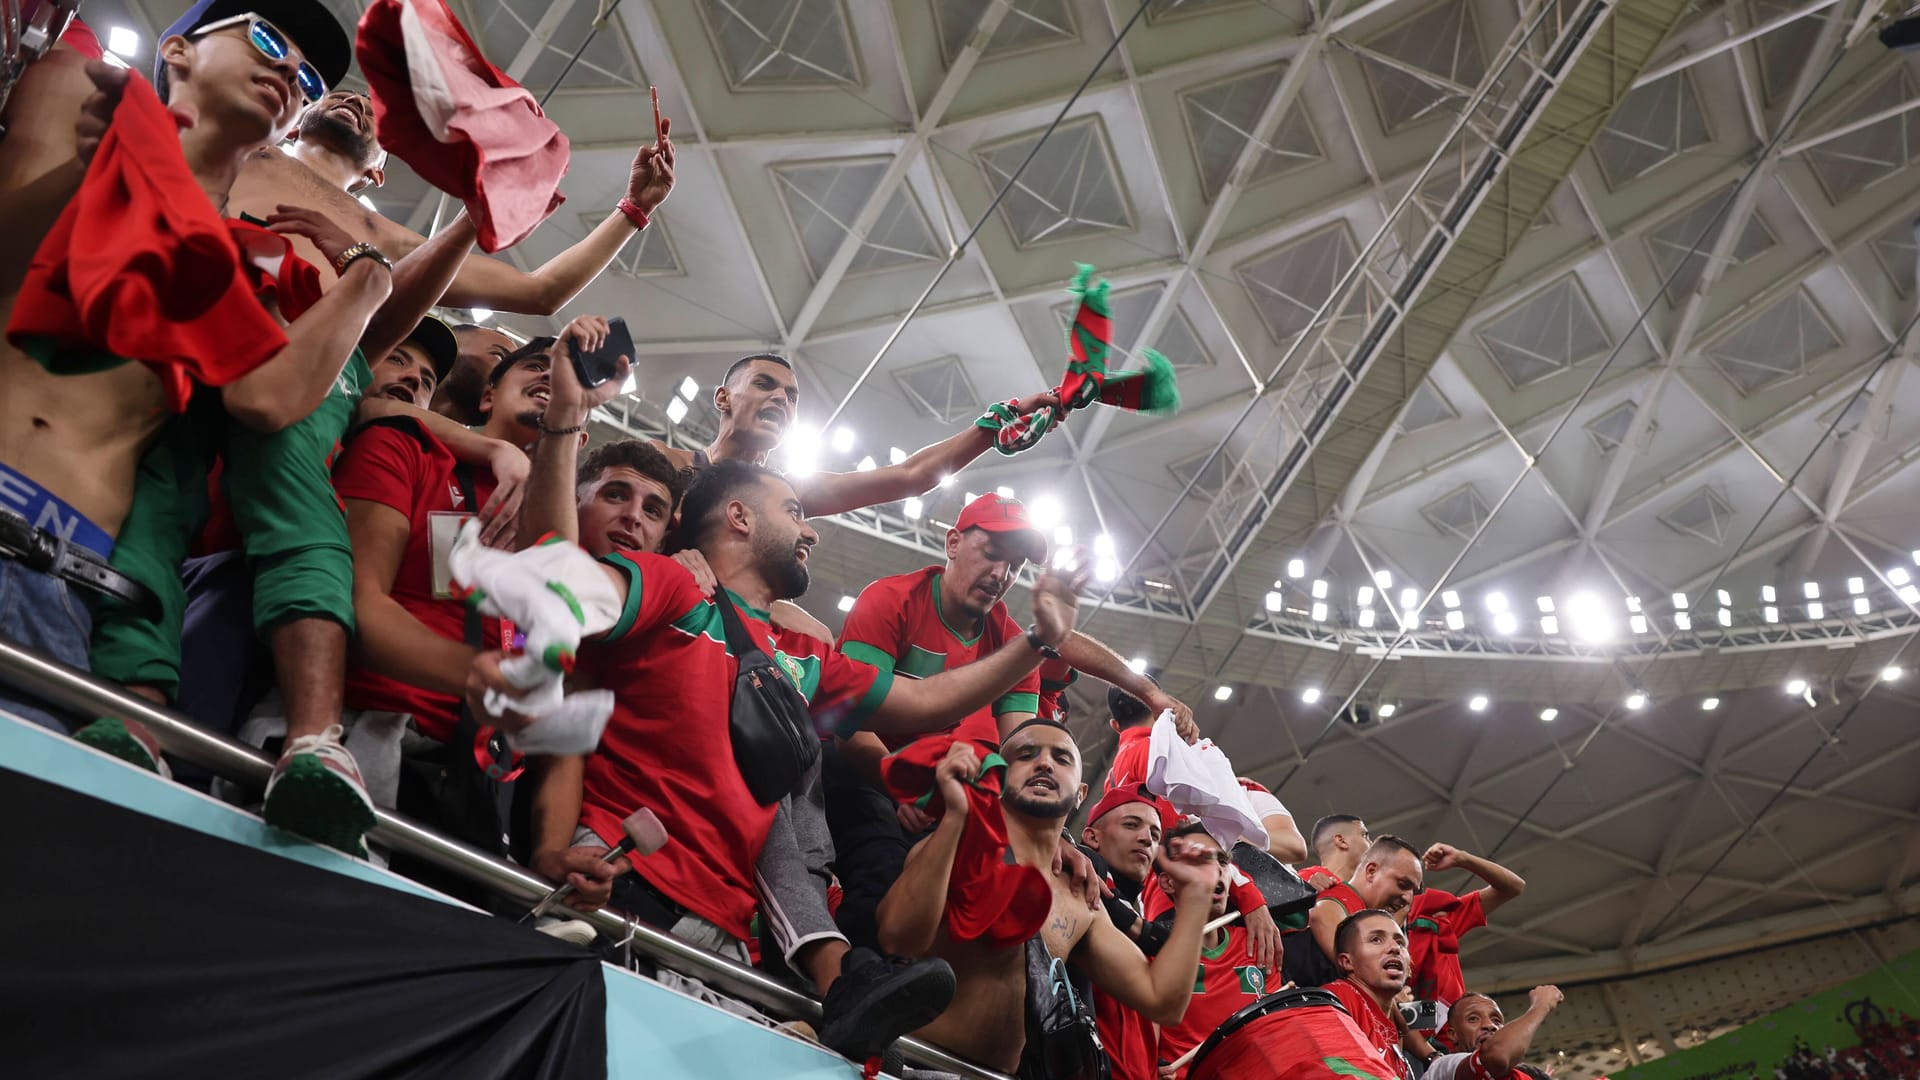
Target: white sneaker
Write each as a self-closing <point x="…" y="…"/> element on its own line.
<point x="316" y="791"/>
<point x="572" y="931"/>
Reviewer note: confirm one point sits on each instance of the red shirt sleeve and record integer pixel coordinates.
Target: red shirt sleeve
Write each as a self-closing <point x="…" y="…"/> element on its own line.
<point x="1246" y="895"/>
<point x="380" y="465"/>
<point x="1466" y="913"/>
<point x="659" y="591"/>
<point x="850" y="691"/>
<point x="875" y="627"/>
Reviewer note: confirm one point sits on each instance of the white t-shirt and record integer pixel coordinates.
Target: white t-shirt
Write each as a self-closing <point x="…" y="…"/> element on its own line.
<point x="1265" y="803"/>
<point x="1457" y="1067"/>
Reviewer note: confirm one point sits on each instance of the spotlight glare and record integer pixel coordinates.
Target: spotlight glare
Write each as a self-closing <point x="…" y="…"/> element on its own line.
<point x="1384" y="578"/>
<point x="1456" y="620"/>
<point x="1496" y="602"/>
<point x="1856" y="586"/>
<point x="1796" y="687"/>
<point x="846" y="603"/>
<point x="676" y="411"/>
<point x="1816" y="610"/>
<point x="1767" y="593"/>
<point x="1003" y="491"/>
<point x="1910" y="594"/>
<point x="1409" y="599"/>
<point x="1891" y="674"/>
<point x="1275" y="601"/>
<point x="867" y="464"/>
<point x="1450" y="598"/>
<point x="1296" y="568"/>
<point x="1364" y="597"/>
<point x="1679" y="601"/>
<point x="1899" y="576"/>
<point x="1637" y="623"/>
<point x="1044" y="512"/>
<point x="1726" y="617"/>
<point x="1366" y="618"/>
<point x="1723" y="596"/>
<point x="1106" y="570"/>
<point x="802" y="450"/>
<point x="1103" y="546"/>
<point x="1478" y="703"/>
<point x="1916" y="558"/>
<point x="1319" y="612"/>
<point x="1633" y="604"/>
<point x="895" y="455"/>
<point x="1222" y="693"/>
<point x="1682" y="620"/>
<point x="1137" y="665"/>
<point x="1861" y="605"/>
<point x="1549" y="715"/>
<point x="1636" y="700"/>
<point x="1319" y="588"/>
<point x="1588" y="619"/>
<point x="843" y="438"/>
<point x="1310" y="695"/>
<point x="1544" y="603"/>
<point x="947" y="480"/>
<point x="1063" y="535"/>
<point x="1506" y="622"/>
<point x="1811" y="589"/>
<point x="689" y="388"/>
<point x="122" y="40"/>
<point x="912" y="508"/>
<point x="1386" y="710"/>
<point x="1709" y="704"/>
<point x="1549" y="626"/>
<point x="1770" y="613"/>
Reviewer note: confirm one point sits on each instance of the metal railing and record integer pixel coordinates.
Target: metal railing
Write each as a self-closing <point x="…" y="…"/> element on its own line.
<point x="49" y="680"/>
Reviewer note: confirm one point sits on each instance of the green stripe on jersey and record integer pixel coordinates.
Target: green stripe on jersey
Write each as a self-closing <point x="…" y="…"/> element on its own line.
<point x="630" y="610"/>
<point x="921" y="663"/>
<point x="1016" y="703"/>
<point x="870" y="655"/>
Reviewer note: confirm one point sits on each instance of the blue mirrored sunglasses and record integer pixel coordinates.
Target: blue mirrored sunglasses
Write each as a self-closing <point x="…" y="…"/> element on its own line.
<point x="274" y="45"/>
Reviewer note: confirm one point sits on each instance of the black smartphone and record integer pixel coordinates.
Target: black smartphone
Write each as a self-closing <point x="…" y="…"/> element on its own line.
<point x="598" y="366"/>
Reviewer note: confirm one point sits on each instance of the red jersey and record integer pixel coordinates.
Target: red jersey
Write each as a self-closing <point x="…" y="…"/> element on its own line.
<point x="1436" y="924"/>
<point x="1127" y="1037"/>
<point x="1055" y="677"/>
<point x="666" y="747"/>
<point x="401" y="465"/>
<point x="1130" y="760"/>
<point x="1373" y="1023"/>
<point x="1226" y="982"/>
<point x="896" y="626"/>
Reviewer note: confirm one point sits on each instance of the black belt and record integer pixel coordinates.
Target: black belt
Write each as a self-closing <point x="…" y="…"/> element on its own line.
<point x="43" y="552"/>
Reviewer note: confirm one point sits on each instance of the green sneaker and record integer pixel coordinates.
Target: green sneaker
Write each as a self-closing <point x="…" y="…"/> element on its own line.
<point x="316" y="792"/>
<point x="131" y="742"/>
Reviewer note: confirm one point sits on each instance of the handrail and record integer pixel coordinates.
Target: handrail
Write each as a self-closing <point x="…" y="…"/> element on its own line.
<point x="43" y="677"/>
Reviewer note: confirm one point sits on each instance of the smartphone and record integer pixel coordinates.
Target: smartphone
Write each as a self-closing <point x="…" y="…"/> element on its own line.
<point x="600" y="365"/>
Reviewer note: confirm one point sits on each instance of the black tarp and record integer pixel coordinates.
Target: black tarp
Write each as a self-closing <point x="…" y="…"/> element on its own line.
<point x="134" y="947"/>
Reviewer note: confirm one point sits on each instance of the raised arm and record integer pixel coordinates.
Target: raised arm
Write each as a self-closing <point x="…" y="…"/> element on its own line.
<point x="45" y="156"/>
<point x="1090" y="656"/>
<point x="1161" y="990"/>
<point x="834" y="493"/>
<point x="1509" y="1046"/>
<point x="1502" y="884"/>
<point x="909" y="915"/>
<point x="551" y="504"/>
<point x="916" y="705"/>
<point x="420" y="279"/>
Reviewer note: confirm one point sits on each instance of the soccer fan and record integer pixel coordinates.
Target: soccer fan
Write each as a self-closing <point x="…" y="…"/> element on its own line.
<point x="1226" y="981"/>
<point x="1371" y="952"/>
<point x="1386" y="878"/>
<point x="458" y="395"/>
<point x="1338" y="842"/>
<point x="417" y="642"/>
<point x="1040" y="789"/>
<point x="412" y="371"/>
<point x="759" y="399"/>
<point x="1284" y="841"/>
<point x="71" y="444"/>
<point x="1122" y="835"/>
<point x="1490" y="1048"/>
<point x="1439" y="919"/>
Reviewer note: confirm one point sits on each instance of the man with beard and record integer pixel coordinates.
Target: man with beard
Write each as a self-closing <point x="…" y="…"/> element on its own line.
<point x="665" y="748"/>
<point x="1371" y="952"/>
<point x="1122" y="834"/>
<point x="1489" y="1047"/>
<point x="1386" y="878"/>
<point x="1227" y="979"/>
<point x="1040" y="789"/>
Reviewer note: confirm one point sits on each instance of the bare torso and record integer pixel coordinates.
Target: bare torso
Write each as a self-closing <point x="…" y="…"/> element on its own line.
<point x="270" y="178"/>
<point x="987" y="1021"/>
<point x="78" y="436"/>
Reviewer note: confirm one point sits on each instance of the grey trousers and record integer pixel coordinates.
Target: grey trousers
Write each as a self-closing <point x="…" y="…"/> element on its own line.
<point x="795" y="869"/>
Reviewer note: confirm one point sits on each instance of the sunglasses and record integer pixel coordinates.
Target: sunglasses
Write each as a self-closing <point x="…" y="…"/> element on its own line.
<point x="274" y="45"/>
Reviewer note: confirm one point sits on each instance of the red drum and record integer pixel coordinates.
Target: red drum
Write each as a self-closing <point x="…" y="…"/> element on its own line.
<point x="1291" y="1035"/>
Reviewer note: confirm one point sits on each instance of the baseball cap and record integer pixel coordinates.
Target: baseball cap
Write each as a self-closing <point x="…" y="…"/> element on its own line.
<point x="437" y="339"/>
<point x="1118" y="797"/>
<point x="315" y="32"/>
<point x="1003" y="516"/>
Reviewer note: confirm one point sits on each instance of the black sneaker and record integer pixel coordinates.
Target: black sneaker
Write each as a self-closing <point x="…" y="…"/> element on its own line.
<point x="878" y="998"/>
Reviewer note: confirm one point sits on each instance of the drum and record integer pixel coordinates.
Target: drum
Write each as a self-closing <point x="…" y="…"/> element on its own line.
<point x="1291" y="1035"/>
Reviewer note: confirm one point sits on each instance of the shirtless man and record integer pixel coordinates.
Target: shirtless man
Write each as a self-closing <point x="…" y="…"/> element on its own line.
<point x="758" y="402"/>
<point x="986" y="1022"/>
<point x="70" y="444"/>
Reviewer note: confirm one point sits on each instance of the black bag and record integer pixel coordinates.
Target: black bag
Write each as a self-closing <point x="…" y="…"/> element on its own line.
<point x="774" y="740"/>
<point x="1063" y="1042"/>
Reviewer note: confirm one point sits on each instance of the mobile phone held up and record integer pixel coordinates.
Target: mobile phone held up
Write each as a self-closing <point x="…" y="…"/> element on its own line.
<point x="600" y="365"/>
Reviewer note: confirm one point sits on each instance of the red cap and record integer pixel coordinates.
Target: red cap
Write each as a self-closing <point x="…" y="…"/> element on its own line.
<point x="1001" y="515"/>
<point x="1115" y="798"/>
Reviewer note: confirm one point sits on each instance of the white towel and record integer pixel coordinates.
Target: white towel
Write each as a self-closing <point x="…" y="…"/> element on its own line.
<point x="556" y="595"/>
<point x="1199" y="780"/>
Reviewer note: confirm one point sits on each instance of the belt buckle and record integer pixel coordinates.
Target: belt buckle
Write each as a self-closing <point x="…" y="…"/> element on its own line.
<point x="39" y="551"/>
